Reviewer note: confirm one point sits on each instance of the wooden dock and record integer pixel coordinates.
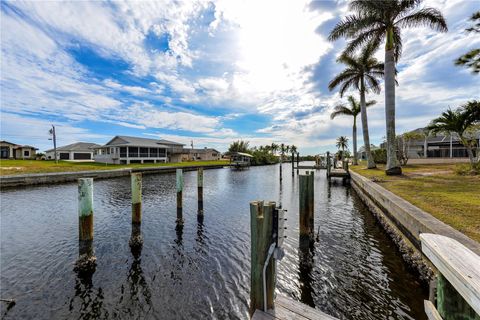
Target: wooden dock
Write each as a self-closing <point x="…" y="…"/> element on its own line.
<point x="311" y="167"/>
<point x="287" y="308"/>
<point x="341" y="173"/>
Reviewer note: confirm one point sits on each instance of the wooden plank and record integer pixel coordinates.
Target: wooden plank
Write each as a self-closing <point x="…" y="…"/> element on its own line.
<point x="432" y="313"/>
<point x="301" y="309"/>
<point x="260" y="315"/>
<point x="458" y="264"/>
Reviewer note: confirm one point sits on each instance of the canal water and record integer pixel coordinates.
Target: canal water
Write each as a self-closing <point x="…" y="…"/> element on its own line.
<point x="203" y="272"/>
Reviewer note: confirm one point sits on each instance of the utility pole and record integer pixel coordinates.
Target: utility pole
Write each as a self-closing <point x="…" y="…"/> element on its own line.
<point x="54" y="138"/>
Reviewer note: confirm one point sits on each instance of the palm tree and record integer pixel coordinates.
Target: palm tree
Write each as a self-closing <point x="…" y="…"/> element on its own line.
<point x="353" y="111"/>
<point x="362" y="73"/>
<point x="293" y="149"/>
<point x="274" y="148"/>
<point x="375" y="21"/>
<point x="471" y="59"/>
<point x="459" y="121"/>
<point x="283" y="149"/>
<point x="239" y="146"/>
<point x="342" y="142"/>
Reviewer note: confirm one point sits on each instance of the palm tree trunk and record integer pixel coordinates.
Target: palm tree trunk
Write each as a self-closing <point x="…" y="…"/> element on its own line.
<point x="393" y="168"/>
<point x="354" y="134"/>
<point x="469" y="152"/>
<point x="366" y="138"/>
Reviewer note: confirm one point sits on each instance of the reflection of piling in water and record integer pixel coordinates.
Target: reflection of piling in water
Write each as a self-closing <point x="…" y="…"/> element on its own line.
<point x="179" y="196"/>
<point x="86" y="261"/>
<point x="306" y="194"/>
<point x="200" y="191"/>
<point x="136" y="240"/>
<point x="306" y="262"/>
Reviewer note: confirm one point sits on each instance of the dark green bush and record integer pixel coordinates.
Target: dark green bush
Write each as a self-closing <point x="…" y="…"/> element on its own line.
<point x="380" y="156"/>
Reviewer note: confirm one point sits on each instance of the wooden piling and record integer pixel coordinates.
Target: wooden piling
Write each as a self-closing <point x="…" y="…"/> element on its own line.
<point x="200" y="191"/>
<point x="298" y="161"/>
<point x="261" y="222"/>
<point x="450" y="304"/>
<point x="328" y="165"/>
<point x="86" y="262"/>
<point x="293" y="164"/>
<point x="179" y="196"/>
<point x="85" y="209"/>
<point x="136" y="186"/>
<point x="306" y="194"/>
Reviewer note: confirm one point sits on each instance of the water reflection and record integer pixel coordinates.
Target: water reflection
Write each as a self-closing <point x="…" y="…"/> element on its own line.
<point x="306" y="254"/>
<point x="87" y="301"/>
<point x="139" y="288"/>
<point x="202" y="269"/>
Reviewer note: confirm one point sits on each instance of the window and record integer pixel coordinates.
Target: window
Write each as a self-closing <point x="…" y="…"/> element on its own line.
<point x="26" y="153"/>
<point x="153" y="152"/>
<point x="123" y="152"/>
<point x="162" y="152"/>
<point x="143" y="152"/>
<point x="133" y="152"/>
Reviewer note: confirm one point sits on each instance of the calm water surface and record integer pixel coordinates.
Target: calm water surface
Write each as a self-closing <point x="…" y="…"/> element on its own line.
<point x="203" y="272"/>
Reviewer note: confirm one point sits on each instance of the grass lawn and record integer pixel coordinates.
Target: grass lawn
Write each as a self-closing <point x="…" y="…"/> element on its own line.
<point x="452" y="198"/>
<point x="12" y="167"/>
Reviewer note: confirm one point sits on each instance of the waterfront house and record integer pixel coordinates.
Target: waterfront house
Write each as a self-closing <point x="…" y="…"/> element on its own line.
<point x="362" y="154"/>
<point x="80" y="151"/>
<point x="10" y="150"/>
<point x="440" y="146"/>
<point x="205" y="154"/>
<point x="126" y="150"/>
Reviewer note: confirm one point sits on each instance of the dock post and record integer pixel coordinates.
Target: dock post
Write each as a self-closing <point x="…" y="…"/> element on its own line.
<point x="136" y="185"/>
<point x="306" y="195"/>
<point x="293" y="164"/>
<point x="281" y="163"/>
<point x="328" y="164"/>
<point x="298" y="161"/>
<point x="86" y="261"/>
<point x="179" y="196"/>
<point x="450" y="304"/>
<point x="136" y="239"/>
<point x="261" y="221"/>
<point x="200" y="191"/>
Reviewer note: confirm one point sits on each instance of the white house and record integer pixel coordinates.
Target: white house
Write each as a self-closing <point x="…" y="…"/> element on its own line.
<point x="125" y="150"/>
<point x="79" y="151"/>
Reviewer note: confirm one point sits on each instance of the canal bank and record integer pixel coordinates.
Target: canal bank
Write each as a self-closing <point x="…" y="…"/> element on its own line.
<point x="404" y="222"/>
<point x="64" y="177"/>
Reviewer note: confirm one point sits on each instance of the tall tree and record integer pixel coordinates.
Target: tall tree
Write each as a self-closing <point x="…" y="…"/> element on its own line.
<point x="342" y="143"/>
<point x="471" y="59"/>
<point x="375" y="21"/>
<point x="460" y="121"/>
<point x="353" y="111"/>
<point x="362" y="73"/>
<point x="239" y="146"/>
<point x="274" y="148"/>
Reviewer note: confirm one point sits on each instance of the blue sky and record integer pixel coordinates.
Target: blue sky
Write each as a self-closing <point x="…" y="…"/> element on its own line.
<point x="208" y="71"/>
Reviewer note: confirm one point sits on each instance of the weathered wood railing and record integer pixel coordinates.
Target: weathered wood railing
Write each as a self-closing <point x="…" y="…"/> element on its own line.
<point x="458" y="280"/>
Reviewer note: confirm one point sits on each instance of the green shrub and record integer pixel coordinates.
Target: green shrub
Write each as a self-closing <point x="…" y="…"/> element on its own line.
<point x="466" y="170"/>
<point x="380" y="156"/>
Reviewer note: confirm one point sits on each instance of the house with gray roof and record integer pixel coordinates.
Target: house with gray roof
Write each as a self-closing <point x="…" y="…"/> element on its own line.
<point x="126" y="150"/>
<point x="79" y="151"/>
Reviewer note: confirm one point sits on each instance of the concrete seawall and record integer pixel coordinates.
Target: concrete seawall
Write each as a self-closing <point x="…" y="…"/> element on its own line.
<point x="63" y="177"/>
<point x="405" y="222"/>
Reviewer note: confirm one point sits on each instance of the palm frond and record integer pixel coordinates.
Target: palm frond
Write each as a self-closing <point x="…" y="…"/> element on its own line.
<point x="428" y="17"/>
<point x="343" y="76"/>
<point x="341" y="109"/>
